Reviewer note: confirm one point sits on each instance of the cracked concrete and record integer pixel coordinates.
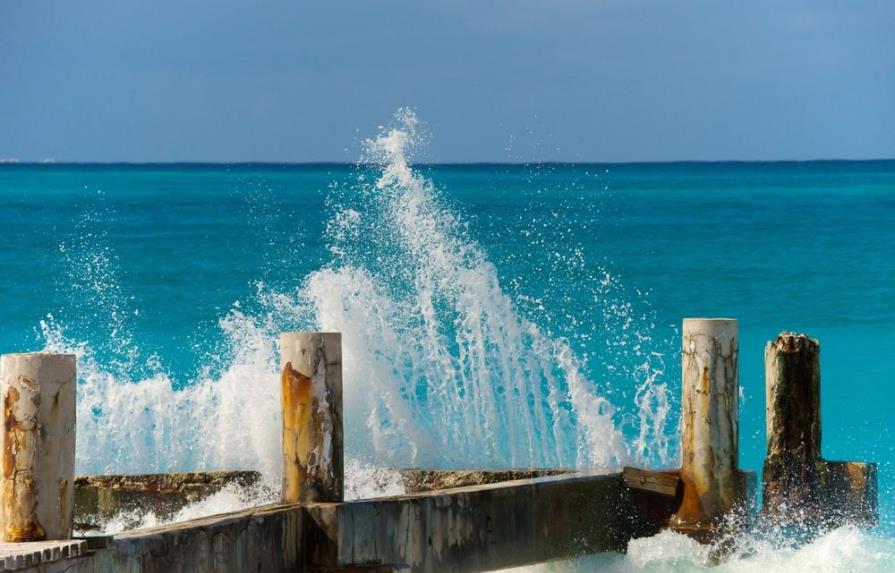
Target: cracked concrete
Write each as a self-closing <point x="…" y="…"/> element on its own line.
<point x="469" y="529"/>
<point x="36" y="484"/>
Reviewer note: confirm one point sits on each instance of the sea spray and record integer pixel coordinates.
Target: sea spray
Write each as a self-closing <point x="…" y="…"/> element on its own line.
<point x="144" y="425"/>
<point x="546" y="229"/>
<point x="442" y="366"/>
<point x="843" y="549"/>
<point x="460" y="376"/>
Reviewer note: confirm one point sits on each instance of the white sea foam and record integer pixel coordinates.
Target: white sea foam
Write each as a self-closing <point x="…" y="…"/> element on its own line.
<point x="144" y="425"/>
<point x="230" y="498"/>
<point x="844" y="549"/>
<point x="364" y="481"/>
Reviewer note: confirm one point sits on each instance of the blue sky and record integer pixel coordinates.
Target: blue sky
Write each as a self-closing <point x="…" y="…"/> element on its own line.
<point x="494" y="80"/>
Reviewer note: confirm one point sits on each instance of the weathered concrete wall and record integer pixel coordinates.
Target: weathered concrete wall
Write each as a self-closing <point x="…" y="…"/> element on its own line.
<point x="467" y="529"/>
<point x="261" y="539"/>
<point x="481" y="528"/>
<point x="99" y="498"/>
<point x="416" y="480"/>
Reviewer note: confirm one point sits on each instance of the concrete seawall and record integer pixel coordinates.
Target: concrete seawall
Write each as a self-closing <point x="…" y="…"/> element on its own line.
<point x="488" y="520"/>
<point x="476" y="528"/>
<point x="128" y="497"/>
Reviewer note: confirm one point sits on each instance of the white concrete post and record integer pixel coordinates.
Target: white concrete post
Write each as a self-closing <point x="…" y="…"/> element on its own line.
<point x="37" y="482"/>
<point x="709" y="426"/>
<point x="312" y="417"/>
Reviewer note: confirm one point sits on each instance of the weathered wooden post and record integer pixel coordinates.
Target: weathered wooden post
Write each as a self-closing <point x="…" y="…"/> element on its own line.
<point x="793" y="464"/>
<point x="798" y="484"/>
<point x="312" y="417"/>
<point x="712" y="482"/>
<point x="37" y="483"/>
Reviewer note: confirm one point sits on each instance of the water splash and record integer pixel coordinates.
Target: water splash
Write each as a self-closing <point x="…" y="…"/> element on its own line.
<point x="442" y="367"/>
<point x="93" y="284"/>
<point x="460" y="375"/>
<point x="843" y="549"/>
<point x="144" y="425"/>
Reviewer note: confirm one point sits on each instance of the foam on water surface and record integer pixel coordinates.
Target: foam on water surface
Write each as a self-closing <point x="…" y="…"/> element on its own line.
<point x="844" y="549"/>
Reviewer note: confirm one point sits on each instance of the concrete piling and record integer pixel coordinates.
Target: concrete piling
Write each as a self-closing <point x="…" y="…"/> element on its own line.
<point x="311" y="384"/>
<point x="37" y="482"/>
<point x="798" y="484"/>
<point x="713" y="485"/>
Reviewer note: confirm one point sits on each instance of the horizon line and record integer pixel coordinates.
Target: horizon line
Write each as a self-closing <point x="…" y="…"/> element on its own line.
<point x="50" y="162"/>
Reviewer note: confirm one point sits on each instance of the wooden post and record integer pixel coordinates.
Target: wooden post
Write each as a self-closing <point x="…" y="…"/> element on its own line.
<point x="798" y="484"/>
<point x="312" y="417"/>
<point x="37" y="482"/>
<point x="713" y="485"/>
<point x="793" y="463"/>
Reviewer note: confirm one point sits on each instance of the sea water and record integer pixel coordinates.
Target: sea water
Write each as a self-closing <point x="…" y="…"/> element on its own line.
<point x="492" y="315"/>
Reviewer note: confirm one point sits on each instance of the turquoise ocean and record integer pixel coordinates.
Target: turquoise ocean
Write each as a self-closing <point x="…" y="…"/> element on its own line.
<point x="492" y="315"/>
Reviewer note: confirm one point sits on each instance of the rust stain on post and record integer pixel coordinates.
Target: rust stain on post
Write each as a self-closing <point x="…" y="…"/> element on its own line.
<point x="712" y="483"/>
<point x="311" y="383"/>
<point x="39" y="418"/>
<point x="19" y="492"/>
<point x="298" y="426"/>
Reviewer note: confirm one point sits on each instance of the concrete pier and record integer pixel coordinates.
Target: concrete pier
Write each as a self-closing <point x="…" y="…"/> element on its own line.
<point x="464" y="520"/>
<point x="470" y="529"/>
<point x="799" y="486"/>
<point x="313" y="466"/>
<point x="37" y="482"/>
<point x="710" y="425"/>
